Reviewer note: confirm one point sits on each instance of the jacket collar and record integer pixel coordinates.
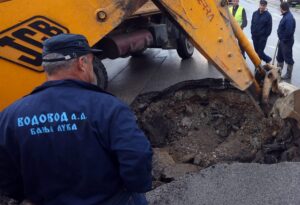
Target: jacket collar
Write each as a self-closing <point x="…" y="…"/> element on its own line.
<point x="265" y="11"/>
<point x="68" y="83"/>
<point x="236" y="7"/>
<point x="285" y="13"/>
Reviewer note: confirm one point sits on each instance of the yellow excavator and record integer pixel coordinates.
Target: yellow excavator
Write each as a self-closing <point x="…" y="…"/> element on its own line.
<point x="128" y="27"/>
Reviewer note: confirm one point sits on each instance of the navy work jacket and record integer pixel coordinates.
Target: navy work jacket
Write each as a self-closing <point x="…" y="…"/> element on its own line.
<point x="286" y="28"/>
<point x="261" y="24"/>
<point x="68" y="142"/>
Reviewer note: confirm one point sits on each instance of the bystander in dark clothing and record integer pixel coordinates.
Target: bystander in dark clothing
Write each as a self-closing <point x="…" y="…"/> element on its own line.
<point x="285" y="32"/>
<point x="261" y="28"/>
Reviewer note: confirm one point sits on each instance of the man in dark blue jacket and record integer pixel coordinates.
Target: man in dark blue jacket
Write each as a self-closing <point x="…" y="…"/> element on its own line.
<point x="69" y="142"/>
<point x="261" y="28"/>
<point x="285" y="32"/>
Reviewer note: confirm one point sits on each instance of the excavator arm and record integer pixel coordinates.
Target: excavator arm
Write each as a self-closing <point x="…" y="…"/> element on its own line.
<point x="207" y="23"/>
<point x="26" y="23"/>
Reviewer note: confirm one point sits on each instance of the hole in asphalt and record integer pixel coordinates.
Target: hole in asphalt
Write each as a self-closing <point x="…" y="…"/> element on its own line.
<point x="193" y="125"/>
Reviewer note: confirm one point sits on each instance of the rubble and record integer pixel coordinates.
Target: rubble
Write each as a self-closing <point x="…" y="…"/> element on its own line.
<point x="161" y="161"/>
<point x="198" y="124"/>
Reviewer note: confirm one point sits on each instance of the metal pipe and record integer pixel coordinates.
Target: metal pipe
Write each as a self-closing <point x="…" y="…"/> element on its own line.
<point x="121" y="45"/>
<point x="276" y="49"/>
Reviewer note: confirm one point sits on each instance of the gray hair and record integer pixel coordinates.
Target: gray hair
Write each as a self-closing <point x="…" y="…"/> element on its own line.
<point x="52" y="67"/>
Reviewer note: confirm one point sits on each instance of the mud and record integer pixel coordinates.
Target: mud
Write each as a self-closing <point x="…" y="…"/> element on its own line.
<point x="194" y="125"/>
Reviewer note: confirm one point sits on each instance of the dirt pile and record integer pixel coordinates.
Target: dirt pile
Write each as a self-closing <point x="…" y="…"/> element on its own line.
<point x="195" y="124"/>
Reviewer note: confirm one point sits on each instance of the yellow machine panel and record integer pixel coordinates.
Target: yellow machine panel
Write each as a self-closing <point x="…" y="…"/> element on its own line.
<point x="25" y="24"/>
<point x="22" y="43"/>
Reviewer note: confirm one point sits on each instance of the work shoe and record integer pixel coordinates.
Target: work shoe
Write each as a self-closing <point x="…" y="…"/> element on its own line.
<point x="288" y="74"/>
<point x="280" y="66"/>
<point x="269" y="59"/>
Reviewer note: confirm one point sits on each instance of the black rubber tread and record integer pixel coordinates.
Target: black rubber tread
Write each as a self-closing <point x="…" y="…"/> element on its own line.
<point x="101" y="73"/>
<point x="182" y="49"/>
<point x="138" y="54"/>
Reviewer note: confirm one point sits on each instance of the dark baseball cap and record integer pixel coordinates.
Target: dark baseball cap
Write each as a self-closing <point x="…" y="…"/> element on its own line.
<point x="69" y="45"/>
<point x="263" y="2"/>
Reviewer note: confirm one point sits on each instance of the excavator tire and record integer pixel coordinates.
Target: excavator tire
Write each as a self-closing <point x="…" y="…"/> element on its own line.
<point x="101" y="74"/>
<point x="138" y="54"/>
<point x="185" y="48"/>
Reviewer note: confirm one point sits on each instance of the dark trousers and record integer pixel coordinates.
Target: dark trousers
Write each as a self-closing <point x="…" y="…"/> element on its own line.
<point x="127" y="198"/>
<point x="259" y="46"/>
<point x="285" y="52"/>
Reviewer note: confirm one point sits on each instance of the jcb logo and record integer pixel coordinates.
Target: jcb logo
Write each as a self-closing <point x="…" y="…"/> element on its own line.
<point x="22" y="43"/>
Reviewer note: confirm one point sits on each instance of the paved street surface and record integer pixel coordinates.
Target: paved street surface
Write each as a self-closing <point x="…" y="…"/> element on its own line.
<point x="235" y="184"/>
<point x="159" y="69"/>
<point x="155" y="71"/>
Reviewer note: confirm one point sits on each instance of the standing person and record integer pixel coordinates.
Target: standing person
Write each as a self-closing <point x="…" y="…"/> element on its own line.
<point x="69" y="142"/>
<point x="239" y="14"/>
<point x="285" y="32"/>
<point x="261" y="28"/>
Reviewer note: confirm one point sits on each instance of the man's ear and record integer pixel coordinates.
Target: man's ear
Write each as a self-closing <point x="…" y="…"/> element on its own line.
<point x="82" y="63"/>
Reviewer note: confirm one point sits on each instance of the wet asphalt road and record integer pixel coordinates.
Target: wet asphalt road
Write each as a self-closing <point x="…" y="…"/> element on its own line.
<point x="233" y="184"/>
<point x="158" y="69"/>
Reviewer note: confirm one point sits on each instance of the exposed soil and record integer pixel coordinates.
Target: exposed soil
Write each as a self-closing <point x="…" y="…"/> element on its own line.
<point x="193" y="127"/>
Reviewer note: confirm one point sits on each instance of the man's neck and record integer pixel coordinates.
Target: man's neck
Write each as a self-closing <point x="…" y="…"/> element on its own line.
<point x="63" y="75"/>
<point x="260" y="11"/>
